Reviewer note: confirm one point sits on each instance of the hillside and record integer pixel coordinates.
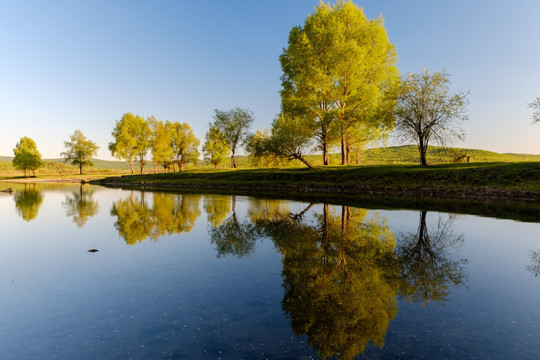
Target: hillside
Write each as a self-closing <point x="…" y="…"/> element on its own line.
<point x="405" y="155"/>
<point x="99" y="164"/>
<point x="408" y="154"/>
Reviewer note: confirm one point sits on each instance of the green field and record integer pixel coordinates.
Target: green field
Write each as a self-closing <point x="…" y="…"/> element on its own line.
<point x="408" y="154"/>
<point x="482" y="181"/>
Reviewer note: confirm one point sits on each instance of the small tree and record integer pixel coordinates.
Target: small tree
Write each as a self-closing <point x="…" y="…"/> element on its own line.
<point x="234" y="125"/>
<point x="535" y="107"/>
<point x="27" y="156"/>
<point x="79" y="150"/>
<point x="427" y="111"/>
<point x="215" y="148"/>
<point x="289" y="140"/>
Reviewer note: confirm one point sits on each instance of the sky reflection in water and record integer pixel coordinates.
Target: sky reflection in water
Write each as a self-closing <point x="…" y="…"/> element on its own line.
<point x="217" y="276"/>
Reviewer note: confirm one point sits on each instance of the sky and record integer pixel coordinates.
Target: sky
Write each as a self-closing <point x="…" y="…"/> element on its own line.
<point x="67" y="65"/>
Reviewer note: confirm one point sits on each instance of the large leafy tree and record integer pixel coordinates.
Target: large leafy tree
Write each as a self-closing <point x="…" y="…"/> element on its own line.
<point x="339" y="74"/>
<point x="27" y="156"/>
<point x="131" y="139"/>
<point x="428" y="111"/>
<point x="79" y="150"/>
<point x="184" y="144"/>
<point x="234" y="126"/>
<point x="215" y="148"/>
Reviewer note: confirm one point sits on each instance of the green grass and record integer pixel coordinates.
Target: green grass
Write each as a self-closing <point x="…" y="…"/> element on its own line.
<point x="393" y="171"/>
<point x="474" y="180"/>
<point x="408" y="154"/>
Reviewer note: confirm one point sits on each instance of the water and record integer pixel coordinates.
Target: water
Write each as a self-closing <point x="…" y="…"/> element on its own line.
<point x="187" y="276"/>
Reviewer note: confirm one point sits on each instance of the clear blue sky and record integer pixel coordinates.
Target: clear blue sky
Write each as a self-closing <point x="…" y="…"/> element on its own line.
<point x="67" y="65"/>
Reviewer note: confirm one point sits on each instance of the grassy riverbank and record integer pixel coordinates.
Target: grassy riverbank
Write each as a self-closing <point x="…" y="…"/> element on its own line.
<point x="513" y="181"/>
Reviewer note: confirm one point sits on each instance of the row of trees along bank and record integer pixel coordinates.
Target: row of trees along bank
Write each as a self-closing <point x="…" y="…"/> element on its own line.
<point x="174" y="145"/>
<point x="340" y="88"/>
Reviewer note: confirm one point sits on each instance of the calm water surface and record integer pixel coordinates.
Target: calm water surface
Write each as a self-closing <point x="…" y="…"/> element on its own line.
<point x="183" y="276"/>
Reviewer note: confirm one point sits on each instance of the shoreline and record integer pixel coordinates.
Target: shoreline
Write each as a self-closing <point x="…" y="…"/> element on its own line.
<point x="474" y="181"/>
<point x="420" y="193"/>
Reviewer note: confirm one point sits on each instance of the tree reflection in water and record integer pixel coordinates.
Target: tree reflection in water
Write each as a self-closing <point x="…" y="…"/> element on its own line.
<point x="137" y="219"/>
<point x="339" y="290"/>
<point x="426" y="266"/>
<point x="28" y="201"/>
<point x="343" y="271"/>
<point x="534" y="267"/>
<point x="234" y="236"/>
<point x="80" y="205"/>
<point x="217" y="208"/>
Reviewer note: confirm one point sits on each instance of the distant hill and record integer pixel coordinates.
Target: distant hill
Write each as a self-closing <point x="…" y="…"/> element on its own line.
<point x="409" y="154"/>
<point x="406" y="154"/>
<point x="101" y="164"/>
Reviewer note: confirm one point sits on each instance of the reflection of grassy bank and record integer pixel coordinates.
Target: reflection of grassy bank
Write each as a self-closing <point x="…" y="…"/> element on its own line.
<point x="482" y="181"/>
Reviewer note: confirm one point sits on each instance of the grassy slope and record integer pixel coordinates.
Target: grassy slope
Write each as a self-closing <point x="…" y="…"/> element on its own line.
<point x="475" y="180"/>
<point x="408" y="154"/>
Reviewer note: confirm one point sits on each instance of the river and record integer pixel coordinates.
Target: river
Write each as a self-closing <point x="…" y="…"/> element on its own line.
<point x="88" y="272"/>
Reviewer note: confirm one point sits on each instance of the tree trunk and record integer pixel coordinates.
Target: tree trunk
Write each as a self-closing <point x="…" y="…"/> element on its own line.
<point x="345" y="150"/>
<point x="324" y="141"/>
<point x="423" y="150"/>
<point x="80" y="169"/>
<point x="131" y="165"/>
<point x="345" y="219"/>
<point x="141" y="164"/>
<point x="301" y="158"/>
<point x="324" y="240"/>
<point x="326" y="157"/>
<point x="233" y="163"/>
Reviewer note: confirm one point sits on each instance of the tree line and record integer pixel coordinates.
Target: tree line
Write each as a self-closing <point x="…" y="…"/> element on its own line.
<point x="340" y="88"/>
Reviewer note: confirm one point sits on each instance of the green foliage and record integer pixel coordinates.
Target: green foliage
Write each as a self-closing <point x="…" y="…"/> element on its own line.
<point x="184" y="144"/>
<point x="160" y="142"/>
<point x="79" y="150"/>
<point x="259" y="146"/>
<point x="137" y="220"/>
<point x="234" y="127"/>
<point x="290" y="139"/>
<point x="131" y="139"/>
<point x="339" y="75"/>
<point x="215" y="148"/>
<point x="217" y="207"/>
<point x="535" y="107"/>
<point x="427" y="111"/>
<point x="80" y="205"/>
<point x="27" y="156"/>
<point x="28" y="202"/>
